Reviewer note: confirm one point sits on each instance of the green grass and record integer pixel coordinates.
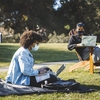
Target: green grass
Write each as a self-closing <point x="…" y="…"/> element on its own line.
<point x="46" y="53"/>
<point x="84" y="77"/>
<point x="55" y="52"/>
<point x="6" y="53"/>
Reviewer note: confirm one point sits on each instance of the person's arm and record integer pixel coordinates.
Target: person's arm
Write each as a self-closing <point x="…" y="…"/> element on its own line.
<point x="26" y="64"/>
<point x="71" y="43"/>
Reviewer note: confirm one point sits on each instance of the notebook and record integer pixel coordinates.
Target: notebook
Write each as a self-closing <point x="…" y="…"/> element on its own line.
<point x="45" y="76"/>
<point x="89" y="40"/>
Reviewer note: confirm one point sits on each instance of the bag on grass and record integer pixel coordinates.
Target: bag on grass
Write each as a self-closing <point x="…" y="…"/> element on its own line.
<point x="70" y="84"/>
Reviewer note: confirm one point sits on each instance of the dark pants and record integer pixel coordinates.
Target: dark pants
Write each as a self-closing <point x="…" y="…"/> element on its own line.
<point x="34" y="83"/>
<point x="52" y="79"/>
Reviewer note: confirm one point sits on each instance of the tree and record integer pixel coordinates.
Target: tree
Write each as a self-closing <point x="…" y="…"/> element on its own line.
<point x="24" y="13"/>
<point x="86" y="11"/>
<point x="28" y="13"/>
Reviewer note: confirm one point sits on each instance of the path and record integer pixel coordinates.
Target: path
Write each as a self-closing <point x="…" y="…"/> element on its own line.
<point x="4" y="69"/>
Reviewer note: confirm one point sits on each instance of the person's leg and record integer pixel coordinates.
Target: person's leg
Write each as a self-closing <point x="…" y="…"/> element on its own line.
<point x="52" y="79"/>
<point x="96" y="54"/>
<point x="34" y="83"/>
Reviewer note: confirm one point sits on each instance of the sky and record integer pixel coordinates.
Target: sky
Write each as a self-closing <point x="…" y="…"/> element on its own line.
<point x="57" y="4"/>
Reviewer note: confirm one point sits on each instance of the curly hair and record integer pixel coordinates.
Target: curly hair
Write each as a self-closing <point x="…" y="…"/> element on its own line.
<point x="29" y="37"/>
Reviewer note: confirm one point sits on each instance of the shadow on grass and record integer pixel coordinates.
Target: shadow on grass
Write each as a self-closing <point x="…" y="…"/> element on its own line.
<point x="42" y="55"/>
<point x="6" y="52"/>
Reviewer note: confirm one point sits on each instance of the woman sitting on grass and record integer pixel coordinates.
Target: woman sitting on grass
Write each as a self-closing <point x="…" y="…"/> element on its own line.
<point x="21" y="70"/>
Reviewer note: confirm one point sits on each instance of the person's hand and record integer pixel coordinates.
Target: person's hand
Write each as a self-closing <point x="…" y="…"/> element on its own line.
<point x="80" y="44"/>
<point x="42" y="71"/>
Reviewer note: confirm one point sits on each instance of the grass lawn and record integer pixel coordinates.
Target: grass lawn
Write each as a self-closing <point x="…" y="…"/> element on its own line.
<point x="47" y="52"/>
<point x="54" y="52"/>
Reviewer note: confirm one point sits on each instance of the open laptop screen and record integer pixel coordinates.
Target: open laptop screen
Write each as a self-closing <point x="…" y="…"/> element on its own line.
<point x="89" y="40"/>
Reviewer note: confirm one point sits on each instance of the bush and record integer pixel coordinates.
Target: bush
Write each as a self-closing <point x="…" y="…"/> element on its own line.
<point x="11" y="39"/>
<point x="57" y="38"/>
<point x="51" y="38"/>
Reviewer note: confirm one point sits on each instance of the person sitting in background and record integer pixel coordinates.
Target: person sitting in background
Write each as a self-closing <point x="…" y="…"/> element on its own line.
<point x="75" y="41"/>
<point x="21" y="70"/>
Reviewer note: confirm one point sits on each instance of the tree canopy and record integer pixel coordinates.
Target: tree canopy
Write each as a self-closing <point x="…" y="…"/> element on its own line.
<point x="19" y="14"/>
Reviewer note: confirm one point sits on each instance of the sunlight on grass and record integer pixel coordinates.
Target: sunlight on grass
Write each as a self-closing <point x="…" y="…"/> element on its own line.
<point x="53" y="52"/>
<point x="81" y="76"/>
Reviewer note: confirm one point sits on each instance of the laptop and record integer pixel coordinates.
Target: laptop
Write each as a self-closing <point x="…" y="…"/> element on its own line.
<point x="45" y="76"/>
<point x="89" y="40"/>
<point x="60" y="69"/>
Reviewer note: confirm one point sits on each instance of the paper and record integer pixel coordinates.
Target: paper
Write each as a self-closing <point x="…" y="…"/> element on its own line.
<point x="42" y="77"/>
